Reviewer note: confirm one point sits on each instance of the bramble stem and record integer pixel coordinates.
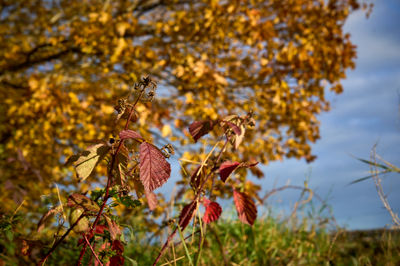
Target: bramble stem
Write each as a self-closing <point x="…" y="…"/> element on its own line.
<point x="55" y="245"/>
<point x="109" y="180"/>
<point x="196" y="197"/>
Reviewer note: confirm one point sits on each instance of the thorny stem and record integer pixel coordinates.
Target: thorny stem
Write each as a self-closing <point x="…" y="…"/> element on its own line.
<point x="196" y="197"/>
<point x="110" y="178"/>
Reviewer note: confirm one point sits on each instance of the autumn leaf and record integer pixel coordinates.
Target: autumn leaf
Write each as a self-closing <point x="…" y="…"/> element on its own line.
<point x="118" y="259"/>
<point x="234" y="127"/>
<point x="226" y="169"/>
<point x="151" y="200"/>
<point x="117" y="246"/>
<point x="245" y="207"/>
<point x="113" y="228"/>
<point x="77" y="200"/>
<point x="88" y="159"/>
<point x="78" y="216"/>
<point x="213" y="211"/>
<point x="256" y="171"/>
<point x="68" y="77"/>
<point x="248" y="164"/>
<point x="200" y="128"/>
<point x="121" y="164"/>
<point x="187" y="214"/>
<point x="196" y="177"/>
<point x="100" y="229"/>
<point x="129" y="134"/>
<point x="154" y="168"/>
<point x="239" y="137"/>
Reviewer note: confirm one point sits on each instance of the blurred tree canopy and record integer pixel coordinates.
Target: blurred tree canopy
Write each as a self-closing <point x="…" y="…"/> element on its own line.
<point x="65" y="63"/>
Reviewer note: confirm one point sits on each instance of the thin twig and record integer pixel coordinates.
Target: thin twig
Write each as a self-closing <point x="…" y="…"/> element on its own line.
<point x="197" y="196"/>
<point x="55" y="245"/>
<point x="275" y="190"/>
<point x="91" y="248"/>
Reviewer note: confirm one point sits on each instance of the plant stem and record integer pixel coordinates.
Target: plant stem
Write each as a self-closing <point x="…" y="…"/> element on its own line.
<point x="109" y="180"/>
<point x="201" y="240"/>
<point x="42" y="261"/>
<point x="91" y="248"/>
<point x="196" y="197"/>
<point x="185" y="247"/>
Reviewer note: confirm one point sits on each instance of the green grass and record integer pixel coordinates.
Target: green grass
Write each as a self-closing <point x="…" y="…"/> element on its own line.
<point x="270" y="241"/>
<point x="274" y="242"/>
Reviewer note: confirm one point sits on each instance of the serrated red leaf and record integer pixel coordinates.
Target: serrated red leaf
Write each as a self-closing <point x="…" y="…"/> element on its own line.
<point x="129" y="134"/>
<point x="226" y="169"/>
<point x="113" y="228"/>
<point x="200" y="128"/>
<point x="187" y="214"/>
<point x="154" y="169"/>
<point x="213" y="211"/>
<point x="246" y="208"/>
<point x="151" y="200"/>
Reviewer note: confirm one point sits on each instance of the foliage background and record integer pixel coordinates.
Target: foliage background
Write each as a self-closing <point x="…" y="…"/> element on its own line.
<point x="63" y="64"/>
<point x="61" y="73"/>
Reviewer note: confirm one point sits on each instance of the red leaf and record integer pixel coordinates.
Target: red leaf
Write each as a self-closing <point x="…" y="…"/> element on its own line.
<point x="129" y="134"/>
<point x="187" y="214"/>
<point x="117" y="260"/>
<point x="113" y="228"/>
<point x="80" y="242"/>
<point x="213" y="211"/>
<point x="234" y="127"/>
<point x="154" y="169"/>
<point x="117" y="246"/>
<point x="200" y="128"/>
<point x="100" y="229"/>
<point x="226" y="169"/>
<point x="245" y="207"/>
<point x="151" y="200"/>
<point x="196" y="177"/>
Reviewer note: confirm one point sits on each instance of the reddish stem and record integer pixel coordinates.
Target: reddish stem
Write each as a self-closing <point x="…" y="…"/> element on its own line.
<point x="110" y="178"/>
<point x="91" y="248"/>
<point x="196" y="197"/>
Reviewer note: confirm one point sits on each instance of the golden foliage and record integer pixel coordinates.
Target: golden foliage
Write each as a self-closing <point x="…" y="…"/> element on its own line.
<point x="64" y="64"/>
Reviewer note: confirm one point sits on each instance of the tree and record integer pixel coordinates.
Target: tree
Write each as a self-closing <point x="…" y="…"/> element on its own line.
<point x="63" y="65"/>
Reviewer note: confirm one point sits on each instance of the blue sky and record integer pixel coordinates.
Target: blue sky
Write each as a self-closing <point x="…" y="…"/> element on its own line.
<point x="367" y="112"/>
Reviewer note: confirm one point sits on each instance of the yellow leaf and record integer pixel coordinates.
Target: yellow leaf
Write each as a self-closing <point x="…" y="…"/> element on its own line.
<point x="220" y="79"/>
<point x="166" y="131"/>
<point x="189" y="98"/>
